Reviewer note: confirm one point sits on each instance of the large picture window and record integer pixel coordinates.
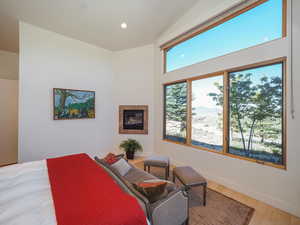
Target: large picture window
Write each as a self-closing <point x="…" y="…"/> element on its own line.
<point x="256" y="111"/>
<point x="258" y="23"/>
<point x="237" y="112"/>
<point x="207" y="113"/>
<point x="175" y="112"/>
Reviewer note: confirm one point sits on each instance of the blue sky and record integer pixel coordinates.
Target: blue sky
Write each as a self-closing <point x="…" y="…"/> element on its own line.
<point x="84" y="96"/>
<point x="201" y="88"/>
<point x="268" y="71"/>
<point x="258" y="25"/>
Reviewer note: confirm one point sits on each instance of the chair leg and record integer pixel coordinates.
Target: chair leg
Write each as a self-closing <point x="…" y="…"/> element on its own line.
<point x="204" y="194"/>
<point x="186" y="222"/>
<point x="166" y="173"/>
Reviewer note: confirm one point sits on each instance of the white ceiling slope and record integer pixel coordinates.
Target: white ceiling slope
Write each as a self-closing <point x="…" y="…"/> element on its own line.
<point x="93" y="21"/>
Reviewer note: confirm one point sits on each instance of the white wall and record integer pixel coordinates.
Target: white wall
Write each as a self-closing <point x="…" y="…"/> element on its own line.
<point x="8" y="121"/>
<point x="9" y="65"/>
<point x="49" y="60"/>
<point x="134" y="85"/>
<point x="280" y="188"/>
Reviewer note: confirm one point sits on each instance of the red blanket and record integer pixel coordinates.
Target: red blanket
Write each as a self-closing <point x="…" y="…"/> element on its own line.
<point x="85" y="194"/>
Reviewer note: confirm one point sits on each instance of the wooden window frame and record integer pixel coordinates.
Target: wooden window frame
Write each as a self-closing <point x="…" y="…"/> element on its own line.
<point x="196" y="31"/>
<point x="164" y="109"/>
<point x="225" y="74"/>
<point x="217" y="74"/>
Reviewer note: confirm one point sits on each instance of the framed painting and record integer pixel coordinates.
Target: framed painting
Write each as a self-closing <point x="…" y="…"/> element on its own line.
<point x="73" y="104"/>
<point x="133" y="119"/>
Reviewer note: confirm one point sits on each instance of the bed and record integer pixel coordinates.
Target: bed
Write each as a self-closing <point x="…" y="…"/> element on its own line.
<point x="28" y="195"/>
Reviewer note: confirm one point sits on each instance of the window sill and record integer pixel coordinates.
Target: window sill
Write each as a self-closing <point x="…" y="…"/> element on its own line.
<point x="283" y="167"/>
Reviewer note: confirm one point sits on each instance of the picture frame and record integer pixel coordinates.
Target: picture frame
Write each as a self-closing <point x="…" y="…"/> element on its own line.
<point x="69" y="104"/>
<point x="133" y="119"/>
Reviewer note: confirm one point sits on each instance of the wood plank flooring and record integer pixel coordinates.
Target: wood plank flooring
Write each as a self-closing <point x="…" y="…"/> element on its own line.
<point x="264" y="214"/>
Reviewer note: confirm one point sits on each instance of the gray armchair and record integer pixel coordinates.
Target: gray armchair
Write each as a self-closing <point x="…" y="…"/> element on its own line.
<point x="170" y="210"/>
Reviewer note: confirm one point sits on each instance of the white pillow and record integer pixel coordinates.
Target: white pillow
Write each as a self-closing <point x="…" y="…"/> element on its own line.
<point x="121" y="166"/>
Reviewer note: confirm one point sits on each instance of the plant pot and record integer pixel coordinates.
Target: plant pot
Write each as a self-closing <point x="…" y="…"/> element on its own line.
<point x="130" y="154"/>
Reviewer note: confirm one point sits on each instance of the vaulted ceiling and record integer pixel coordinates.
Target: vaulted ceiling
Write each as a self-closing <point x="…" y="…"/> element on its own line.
<point x="92" y="21"/>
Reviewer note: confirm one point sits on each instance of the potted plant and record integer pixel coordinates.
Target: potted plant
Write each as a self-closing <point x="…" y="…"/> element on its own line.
<point x="130" y="146"/>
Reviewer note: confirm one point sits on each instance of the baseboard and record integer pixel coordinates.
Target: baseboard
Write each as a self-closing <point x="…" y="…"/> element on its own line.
<point x="8" y="164"/>
<point x="274" y="202"/>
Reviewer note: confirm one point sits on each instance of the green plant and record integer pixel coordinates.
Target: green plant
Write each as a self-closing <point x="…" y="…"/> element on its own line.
<point x="131" y="145"/>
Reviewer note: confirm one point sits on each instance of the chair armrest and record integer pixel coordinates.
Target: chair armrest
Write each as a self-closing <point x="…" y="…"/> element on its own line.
<point x="172" y="210"/>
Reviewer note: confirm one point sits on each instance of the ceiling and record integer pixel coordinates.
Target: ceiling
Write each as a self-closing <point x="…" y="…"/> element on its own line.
<point x="92" y="21"/>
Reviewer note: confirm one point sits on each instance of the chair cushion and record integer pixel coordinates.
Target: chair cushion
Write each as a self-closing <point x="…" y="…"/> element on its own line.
<point x="189" y="176"/>
<point x="161" y="161"/>
<point x="136" y="175"/>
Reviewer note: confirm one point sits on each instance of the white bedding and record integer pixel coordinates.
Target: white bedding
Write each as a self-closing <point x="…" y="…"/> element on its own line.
<point x="25" y="195"/>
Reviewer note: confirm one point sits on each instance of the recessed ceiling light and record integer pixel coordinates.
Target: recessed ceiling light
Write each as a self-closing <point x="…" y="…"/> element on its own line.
<point x="124" y="25"/>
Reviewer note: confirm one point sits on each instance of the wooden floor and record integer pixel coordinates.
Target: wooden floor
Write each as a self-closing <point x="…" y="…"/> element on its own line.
<point x="264" y="214"/>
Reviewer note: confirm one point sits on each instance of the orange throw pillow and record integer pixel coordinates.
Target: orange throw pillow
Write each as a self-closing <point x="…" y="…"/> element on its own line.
<point x="111" y="158"/>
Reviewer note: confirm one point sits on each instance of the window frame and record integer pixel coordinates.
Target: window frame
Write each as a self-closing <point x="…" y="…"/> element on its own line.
<point x="225" y="74"/>
<point x="217" y="74"/>
<point x="188" y="35"/>
<point x="164" y="109"/>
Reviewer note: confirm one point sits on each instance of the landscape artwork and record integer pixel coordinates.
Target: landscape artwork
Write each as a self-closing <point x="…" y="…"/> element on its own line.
<point x="73" y="104"/>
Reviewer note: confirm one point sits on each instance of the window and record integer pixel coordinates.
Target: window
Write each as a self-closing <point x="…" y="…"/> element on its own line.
<point x="207" y="113"/>
<point x="260" y="22"/>
<point x="256" y="109"/>
<point x="175" y="112"/>
<point x="237" y="112"/>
